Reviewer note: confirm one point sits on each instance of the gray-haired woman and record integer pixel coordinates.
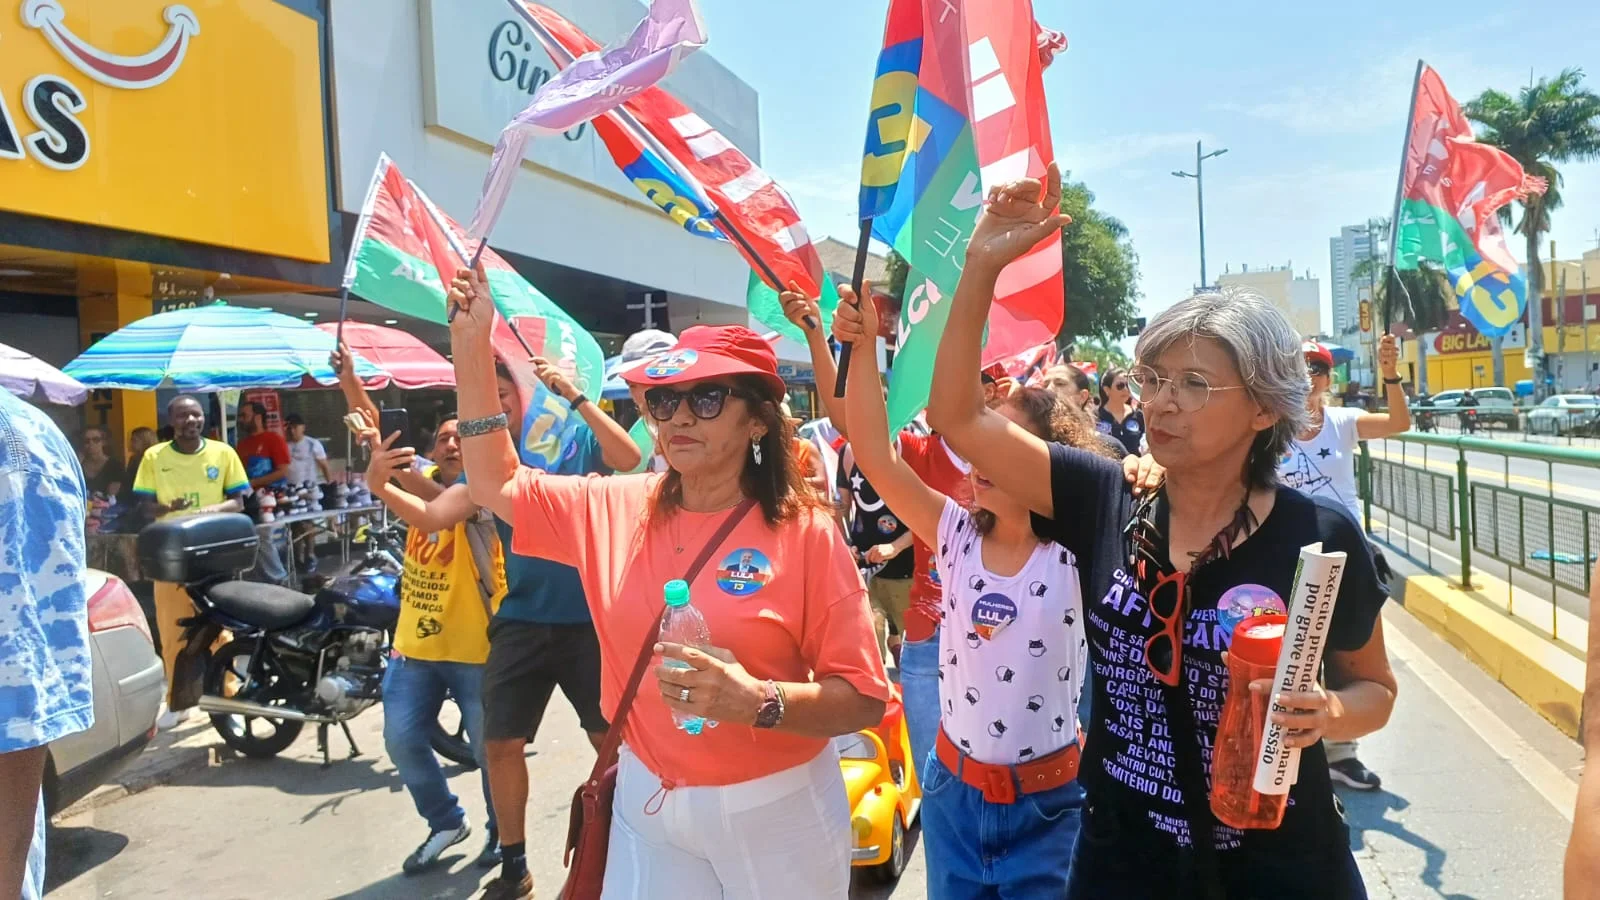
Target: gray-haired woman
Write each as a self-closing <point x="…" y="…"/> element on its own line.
<point x="1223" y="388"/>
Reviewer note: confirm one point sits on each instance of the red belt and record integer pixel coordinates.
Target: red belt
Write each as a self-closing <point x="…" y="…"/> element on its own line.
<point x="1000" y="783"/>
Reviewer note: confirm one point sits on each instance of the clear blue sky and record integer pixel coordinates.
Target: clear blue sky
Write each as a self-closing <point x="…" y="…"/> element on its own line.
<point x="1310" y="100"/>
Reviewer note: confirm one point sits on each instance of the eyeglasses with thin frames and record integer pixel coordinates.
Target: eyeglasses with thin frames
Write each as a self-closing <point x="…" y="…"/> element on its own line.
<point x="1191" y="390"/>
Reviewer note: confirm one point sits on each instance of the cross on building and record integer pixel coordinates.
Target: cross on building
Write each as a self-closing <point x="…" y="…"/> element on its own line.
<point x="650" y="302"/>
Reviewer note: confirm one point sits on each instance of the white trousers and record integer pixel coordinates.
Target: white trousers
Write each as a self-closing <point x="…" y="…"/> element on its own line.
<point x="782" y="836"/>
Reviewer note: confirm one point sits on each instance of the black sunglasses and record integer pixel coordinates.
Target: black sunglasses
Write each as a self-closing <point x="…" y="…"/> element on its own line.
<point x="1317" y="369"/>
<point x="705" y="400"/>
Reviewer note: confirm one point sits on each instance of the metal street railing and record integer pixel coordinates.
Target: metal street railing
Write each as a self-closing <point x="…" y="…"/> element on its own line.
<point x="1463" y="501"/>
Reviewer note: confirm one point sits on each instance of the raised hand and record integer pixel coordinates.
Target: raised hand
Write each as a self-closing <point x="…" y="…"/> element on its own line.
<point x="1016" y="217"/>
<point x="1388" y="355"/>
<point x="471" y="304"/>
<point x="803" y="311"/>
<point x="553" y="378"/>
<point x="855" y="322"/>
<point x="387" y="460"/>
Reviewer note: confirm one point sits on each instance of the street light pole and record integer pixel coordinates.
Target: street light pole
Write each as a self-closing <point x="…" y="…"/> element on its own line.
<point x="1200" y="157"/>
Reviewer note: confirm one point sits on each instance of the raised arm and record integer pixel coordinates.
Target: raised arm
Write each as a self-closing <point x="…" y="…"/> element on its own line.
<point x="806" y="315"/>
<point x="355" y="395"/>
<point x="917" y="505"/>
<point x="491" y="458"/>
<point x="1372" y="426"/>
<point x="442" y="512"/>
<point x="1017" y="217"/>
<point x="617" y="449"/>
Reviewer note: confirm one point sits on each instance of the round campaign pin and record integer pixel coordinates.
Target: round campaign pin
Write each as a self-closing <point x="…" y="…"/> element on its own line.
<point x="744" y="572"/>
<point x="1244" y="601"/>
<point x="991" y="614"/>
<point x="671" y="364"/>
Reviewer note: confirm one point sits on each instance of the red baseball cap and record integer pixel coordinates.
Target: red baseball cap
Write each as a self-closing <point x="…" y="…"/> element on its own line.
<point x="707" y="351"/>
<point x="1317" y="353"/>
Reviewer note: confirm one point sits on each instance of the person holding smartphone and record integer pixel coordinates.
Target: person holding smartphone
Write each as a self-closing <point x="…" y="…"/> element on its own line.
<point x="185" y="476"/>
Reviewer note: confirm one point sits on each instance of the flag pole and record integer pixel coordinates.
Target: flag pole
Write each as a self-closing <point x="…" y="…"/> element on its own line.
<point x="461" y="251"/>
<point x="856" y="277"/>
<point x="1405" y="153"/>
<point x="767" y="274"/>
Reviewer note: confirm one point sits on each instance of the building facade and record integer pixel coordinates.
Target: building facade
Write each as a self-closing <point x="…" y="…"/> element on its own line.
<point x="1299" y="298"/>
<point x="1345" y="252"/>
<point x="237" y="168"/>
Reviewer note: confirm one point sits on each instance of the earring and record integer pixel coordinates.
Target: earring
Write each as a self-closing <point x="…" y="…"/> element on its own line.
<point x="755" y="449"/>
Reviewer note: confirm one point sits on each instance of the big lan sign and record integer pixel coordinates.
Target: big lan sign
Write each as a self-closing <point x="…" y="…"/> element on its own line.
<point x="200" y="121"/>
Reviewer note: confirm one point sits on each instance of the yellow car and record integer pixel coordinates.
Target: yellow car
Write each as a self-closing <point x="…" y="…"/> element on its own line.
<point x="885" y="796"/>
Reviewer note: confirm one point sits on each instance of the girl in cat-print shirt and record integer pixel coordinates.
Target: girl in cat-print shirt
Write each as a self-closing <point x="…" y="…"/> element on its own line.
<point x="1011" y="661"/>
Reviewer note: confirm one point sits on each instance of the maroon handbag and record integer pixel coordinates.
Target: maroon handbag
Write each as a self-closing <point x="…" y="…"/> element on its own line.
<point x="589" y="827"/>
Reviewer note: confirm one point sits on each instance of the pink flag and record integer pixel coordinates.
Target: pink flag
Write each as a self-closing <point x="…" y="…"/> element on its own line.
<point x="594" y="83"/>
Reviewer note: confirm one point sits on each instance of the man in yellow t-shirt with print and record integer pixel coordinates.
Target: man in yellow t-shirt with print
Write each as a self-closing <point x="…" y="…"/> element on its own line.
<point x="187" y="475"/>
<point x="454" y="579"/>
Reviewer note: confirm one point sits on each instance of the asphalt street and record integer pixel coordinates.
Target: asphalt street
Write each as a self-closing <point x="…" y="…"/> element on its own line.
<point x="1477" y="794"/>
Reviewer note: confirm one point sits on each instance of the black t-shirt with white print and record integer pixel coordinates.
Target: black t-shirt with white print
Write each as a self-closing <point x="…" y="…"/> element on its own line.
<point x="874" y="522"/>
<point x="1129" y="760"/>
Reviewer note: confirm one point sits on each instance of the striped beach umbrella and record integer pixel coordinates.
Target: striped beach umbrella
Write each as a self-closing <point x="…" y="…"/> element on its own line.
<point x="212" y="348"/>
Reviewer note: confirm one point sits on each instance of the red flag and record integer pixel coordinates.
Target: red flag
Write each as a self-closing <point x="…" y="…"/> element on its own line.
<point x="759" y="209"/>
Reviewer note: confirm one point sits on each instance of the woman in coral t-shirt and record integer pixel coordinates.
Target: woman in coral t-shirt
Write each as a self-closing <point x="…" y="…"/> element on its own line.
<point x="755" y="806"/>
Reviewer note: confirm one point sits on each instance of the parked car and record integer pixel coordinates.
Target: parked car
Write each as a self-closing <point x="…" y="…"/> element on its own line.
<point x="1496" y="406"/>
<point x="1565" y="414"/>
<point x="129" y="683"/>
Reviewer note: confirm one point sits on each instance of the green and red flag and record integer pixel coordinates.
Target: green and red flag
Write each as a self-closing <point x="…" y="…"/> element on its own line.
<point x="958" y="107"/>
<point x="405" y="252"/>
<point x="1446" y="210"/>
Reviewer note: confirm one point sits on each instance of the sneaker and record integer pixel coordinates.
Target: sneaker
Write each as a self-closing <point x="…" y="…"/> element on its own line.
<point x="505" y="889"/>
<point x="170" y="719"/>
<point x="489" y="857"/>
<point x="1353" y="775"/>
<point x="428" y="853"/>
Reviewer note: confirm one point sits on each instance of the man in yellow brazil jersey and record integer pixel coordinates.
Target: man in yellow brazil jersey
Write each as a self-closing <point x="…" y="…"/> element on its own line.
<point x="185" y="476"/>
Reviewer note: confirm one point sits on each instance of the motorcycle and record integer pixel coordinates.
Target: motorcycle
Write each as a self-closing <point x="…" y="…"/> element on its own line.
<point x="294" y="658"/>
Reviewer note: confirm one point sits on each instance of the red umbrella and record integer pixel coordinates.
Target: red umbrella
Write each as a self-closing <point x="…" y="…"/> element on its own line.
<point x="408" y="361"/>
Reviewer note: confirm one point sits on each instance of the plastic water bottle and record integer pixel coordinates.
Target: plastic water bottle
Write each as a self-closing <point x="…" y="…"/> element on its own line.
<point x="683" y="624"/>
<point x="1234" y="799"/>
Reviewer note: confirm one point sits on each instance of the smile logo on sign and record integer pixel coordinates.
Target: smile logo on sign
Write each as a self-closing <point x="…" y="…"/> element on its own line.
<point x="991" y="614"/>
<point x="1244" y="601"/>
<point x="672" y="364"/>
<point x="744" y="572"/>
<point x="887" y="524"/>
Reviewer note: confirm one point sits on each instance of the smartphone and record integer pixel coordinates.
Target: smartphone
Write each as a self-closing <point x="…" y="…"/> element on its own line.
<point x="392" y="420"/>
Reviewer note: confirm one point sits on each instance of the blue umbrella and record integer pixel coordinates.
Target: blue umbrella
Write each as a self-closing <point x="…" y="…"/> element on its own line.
<point x="212" y="348"/>
<point x="1341" y="355"/>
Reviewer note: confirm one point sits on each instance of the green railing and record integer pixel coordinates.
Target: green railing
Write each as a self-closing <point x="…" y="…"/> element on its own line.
<point x="1535" y="515"/>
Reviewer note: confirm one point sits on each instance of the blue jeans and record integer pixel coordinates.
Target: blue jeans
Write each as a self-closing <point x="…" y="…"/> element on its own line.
<point x="996" y="851"/>
<point x="919" y="690"/>
<point x="413" y="692"/>
<point x="270" y="557"/>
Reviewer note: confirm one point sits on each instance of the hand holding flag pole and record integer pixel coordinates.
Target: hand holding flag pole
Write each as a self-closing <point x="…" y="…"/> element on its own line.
<point x="473" y="265"/>
<point x="856" y="278"/>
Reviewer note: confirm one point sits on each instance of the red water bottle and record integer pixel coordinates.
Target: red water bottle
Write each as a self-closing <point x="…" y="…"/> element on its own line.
<point x="1253" y="656"/>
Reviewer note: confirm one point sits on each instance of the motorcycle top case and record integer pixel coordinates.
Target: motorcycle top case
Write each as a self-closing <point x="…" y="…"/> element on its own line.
<point x="188" y="549"/>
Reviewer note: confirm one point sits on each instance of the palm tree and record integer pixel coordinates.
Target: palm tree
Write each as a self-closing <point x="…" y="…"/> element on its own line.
<point x="1553" y="121"/>
<point x="1422" y="298"/>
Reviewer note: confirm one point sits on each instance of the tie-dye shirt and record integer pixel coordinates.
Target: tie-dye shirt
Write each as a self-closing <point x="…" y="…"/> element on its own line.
<point x="45" y="676"/>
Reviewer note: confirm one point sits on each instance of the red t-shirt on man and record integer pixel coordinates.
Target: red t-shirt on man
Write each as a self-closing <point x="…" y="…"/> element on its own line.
<point x="264" y="452"/>
<point x="939" y="468"/>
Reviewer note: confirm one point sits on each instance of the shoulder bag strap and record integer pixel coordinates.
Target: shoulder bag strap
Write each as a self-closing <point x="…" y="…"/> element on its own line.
<point x="1191" y="773"/>
<point x="608" y="748"/>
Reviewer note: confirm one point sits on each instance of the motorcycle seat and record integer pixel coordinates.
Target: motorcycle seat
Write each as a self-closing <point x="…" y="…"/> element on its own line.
<point x="265" y="606"/>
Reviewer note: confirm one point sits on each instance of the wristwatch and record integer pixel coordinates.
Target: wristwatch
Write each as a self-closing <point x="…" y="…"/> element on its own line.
<point x="771" y="712"/>
<point x="1395" y="380"/>
<point x="577" y="400"/>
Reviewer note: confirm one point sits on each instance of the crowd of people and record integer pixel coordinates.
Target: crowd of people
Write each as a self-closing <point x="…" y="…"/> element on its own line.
<point x="1053" y="573"/>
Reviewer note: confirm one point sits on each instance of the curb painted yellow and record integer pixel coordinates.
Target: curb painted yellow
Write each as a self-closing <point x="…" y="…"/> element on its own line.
<point x="1546" y="676"/>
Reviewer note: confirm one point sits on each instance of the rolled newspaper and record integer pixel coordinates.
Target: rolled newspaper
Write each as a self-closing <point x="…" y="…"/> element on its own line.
<point x="1316" y="587"/>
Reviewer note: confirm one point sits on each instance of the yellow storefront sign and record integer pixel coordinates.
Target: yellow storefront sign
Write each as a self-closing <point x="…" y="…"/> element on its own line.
<point x="200" y="121"/>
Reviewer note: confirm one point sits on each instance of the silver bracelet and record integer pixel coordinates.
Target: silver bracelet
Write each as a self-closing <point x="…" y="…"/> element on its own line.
<point x="486" y="425"/>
